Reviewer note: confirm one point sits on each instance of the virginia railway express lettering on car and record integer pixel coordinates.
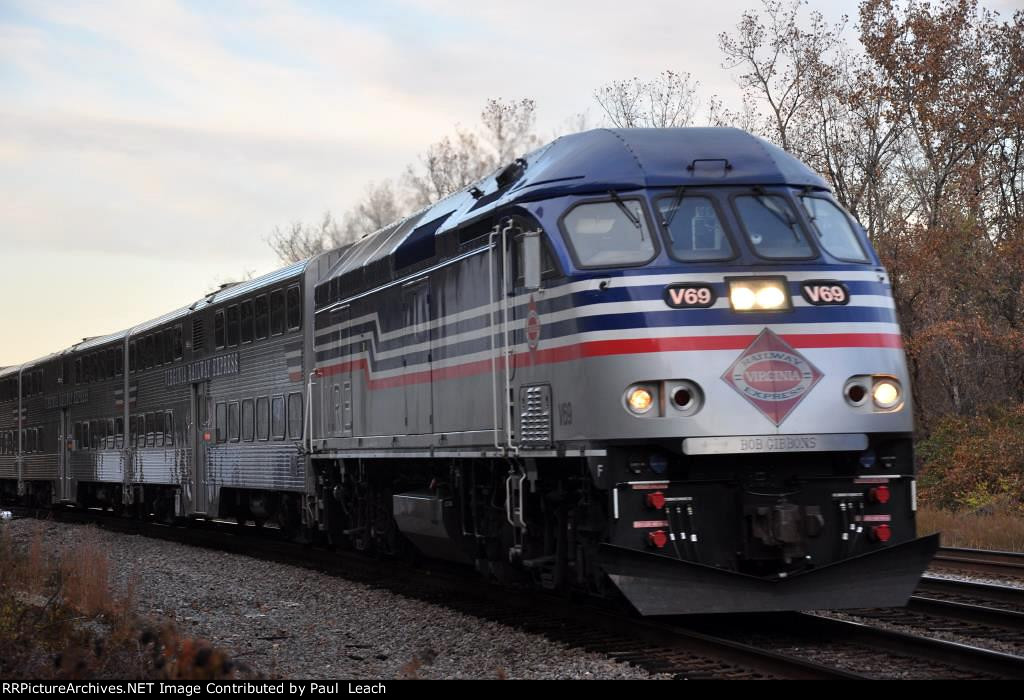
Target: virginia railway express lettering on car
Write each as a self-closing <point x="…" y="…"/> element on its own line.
<point x="600" y="368"/>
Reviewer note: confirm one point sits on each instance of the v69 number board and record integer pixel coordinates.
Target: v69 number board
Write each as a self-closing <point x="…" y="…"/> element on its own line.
<point x="690" y="296"/>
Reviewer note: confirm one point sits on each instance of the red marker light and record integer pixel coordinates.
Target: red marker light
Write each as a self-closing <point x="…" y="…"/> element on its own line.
<point x="206" y="436"/>
<point x="881" y="533"/>
<point x="658" y="539"/>
<point x="880" y="494"/>
<point x="656" y="500"/>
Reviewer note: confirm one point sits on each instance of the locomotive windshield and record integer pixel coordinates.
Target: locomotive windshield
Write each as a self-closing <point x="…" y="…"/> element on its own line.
<point x="695" y="230"/>
<point x="835" y="234"/>
<point x="607" y="234"/>
<point x="772" y="227"/>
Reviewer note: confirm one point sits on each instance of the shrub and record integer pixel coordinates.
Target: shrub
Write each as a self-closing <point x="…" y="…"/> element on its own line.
<point x="976" y="461"/>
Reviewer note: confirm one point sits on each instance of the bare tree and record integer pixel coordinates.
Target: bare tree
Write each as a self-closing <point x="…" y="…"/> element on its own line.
<point x="622" y="102"/>
<point x="456" y="162"/>
<point x="779" y="61"/>
<point x="573" y="125"/>
<point x="506" y="130"/>
<point x="720" y="115"/>
<point x="447" y="166"/>
<point x="378" y="208"/>
<point x="300" y="240"/>
<point x="508" y="127"/>
<point x="670" y="100"/>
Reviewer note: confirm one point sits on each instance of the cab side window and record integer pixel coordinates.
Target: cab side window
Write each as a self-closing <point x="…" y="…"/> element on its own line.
<point x="609" y="234"/>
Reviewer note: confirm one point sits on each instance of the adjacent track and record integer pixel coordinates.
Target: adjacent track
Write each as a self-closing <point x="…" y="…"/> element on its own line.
<point x="972" y="592"/>
<point x="980" y="561"/>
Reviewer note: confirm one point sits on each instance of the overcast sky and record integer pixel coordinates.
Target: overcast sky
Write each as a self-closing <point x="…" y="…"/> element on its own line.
<point x="148" y="148"/>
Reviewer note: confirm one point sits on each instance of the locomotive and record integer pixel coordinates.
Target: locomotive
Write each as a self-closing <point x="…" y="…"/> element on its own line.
<point x="657" y="363"/>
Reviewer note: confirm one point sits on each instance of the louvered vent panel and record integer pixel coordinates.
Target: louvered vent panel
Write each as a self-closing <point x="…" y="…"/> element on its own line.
<point x="535" y="415"/>
<point x="198" y="335"/>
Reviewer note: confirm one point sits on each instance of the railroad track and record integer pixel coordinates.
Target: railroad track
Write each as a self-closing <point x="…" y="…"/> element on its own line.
<point x="980" y="561"/>
<point x="866" y="649"/>
<point x="990" y="616"/>
<point x="796" y="645"/>
<point x="972" y="592"/>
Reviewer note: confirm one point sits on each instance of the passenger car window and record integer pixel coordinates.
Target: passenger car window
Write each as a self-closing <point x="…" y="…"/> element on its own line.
<point x="179" y="348"/>
<point x="233" y="421"/>
<point x="262" y="317"/>
<point x="607" y="234"/>
<point x="772" y="227"/>
<point x="169" y="429"/>
<point x="248" y="420"/>
<point x="295" y="416"/>
<point x="277" y="417"/>
<point x="262" y="418"/>
<point x="168" y="344"/>
<point x="694" y="229"/>
<point x="222" y="422"/>
<point x="232" y="326"/>
<point x="294" y="308"/>
<point x="835" y="234"/>
<point x="277" y="312"/>
<point x="218" y="329"/>
<point x="246" y="311"/>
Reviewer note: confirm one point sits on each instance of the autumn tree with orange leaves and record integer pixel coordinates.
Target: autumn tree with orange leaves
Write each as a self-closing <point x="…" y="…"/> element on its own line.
<point x="920" y="131"/>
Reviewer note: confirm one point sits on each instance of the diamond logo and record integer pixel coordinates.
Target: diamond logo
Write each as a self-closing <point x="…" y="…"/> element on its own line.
<point x="772" y="376"/>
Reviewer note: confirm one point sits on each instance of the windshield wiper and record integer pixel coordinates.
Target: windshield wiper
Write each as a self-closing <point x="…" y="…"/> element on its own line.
<point x="635" y="220"/>
<point x="810" y="215"/>
<point x="780" y="214"/>
<point x="677" y="202"/>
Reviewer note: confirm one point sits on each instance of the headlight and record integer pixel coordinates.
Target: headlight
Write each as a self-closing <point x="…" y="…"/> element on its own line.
<point x="639" y="400"/>
<point x="770" y="298"/>
<point x="758" y="294"/>
<point x="886" y="393"/>
<point x="742" y="298"/>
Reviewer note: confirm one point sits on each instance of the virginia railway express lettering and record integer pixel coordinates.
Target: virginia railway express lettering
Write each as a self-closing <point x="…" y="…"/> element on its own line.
<point x="202" y="370"/>
<point x="67" y="398"/>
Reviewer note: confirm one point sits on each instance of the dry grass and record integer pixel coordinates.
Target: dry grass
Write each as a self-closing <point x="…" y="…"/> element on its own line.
<point x="60" y="618"/>
<point x="85" y="578"/>
<point x="994" y="527"/>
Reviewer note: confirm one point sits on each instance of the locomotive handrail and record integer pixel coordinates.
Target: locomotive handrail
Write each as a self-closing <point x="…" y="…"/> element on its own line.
<point x="490" y="333"/>
<point x="509" y="445"/>
<point x="309" y="409"/>
<point x="508" y="349"/>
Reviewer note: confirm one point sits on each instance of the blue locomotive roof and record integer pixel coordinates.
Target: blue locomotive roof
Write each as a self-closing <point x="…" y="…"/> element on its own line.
<point x="623" y="159"/>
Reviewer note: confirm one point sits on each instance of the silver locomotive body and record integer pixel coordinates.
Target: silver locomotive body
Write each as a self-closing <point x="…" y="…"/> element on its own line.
<point x="480" y="387"/>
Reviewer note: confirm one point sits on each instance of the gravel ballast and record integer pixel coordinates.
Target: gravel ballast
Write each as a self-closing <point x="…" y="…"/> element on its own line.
<point x="289" y="622"/>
